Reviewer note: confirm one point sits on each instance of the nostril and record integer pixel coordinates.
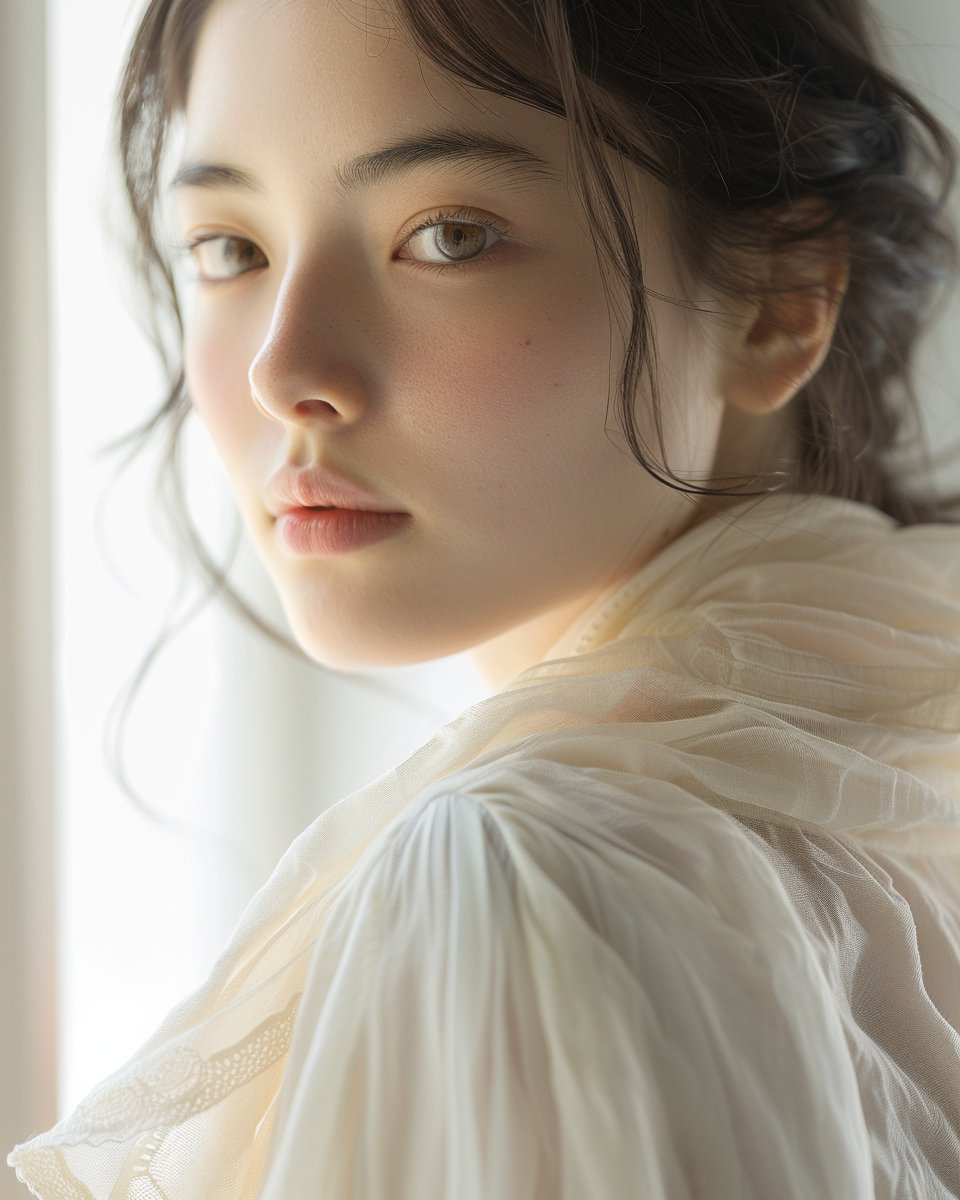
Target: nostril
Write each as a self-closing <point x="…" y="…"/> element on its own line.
<point x="319" y="408"/>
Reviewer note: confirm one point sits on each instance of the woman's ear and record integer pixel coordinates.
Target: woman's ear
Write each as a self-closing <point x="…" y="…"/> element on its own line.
<point x="785" y="339"/>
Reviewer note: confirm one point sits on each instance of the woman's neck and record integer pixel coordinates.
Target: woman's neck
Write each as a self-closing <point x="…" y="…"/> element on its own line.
<point x="502" y="657"/>
<point x="499" y="659"/>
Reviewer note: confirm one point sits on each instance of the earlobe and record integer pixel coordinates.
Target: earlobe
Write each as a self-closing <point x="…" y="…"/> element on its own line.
<point x="785" y="342"/>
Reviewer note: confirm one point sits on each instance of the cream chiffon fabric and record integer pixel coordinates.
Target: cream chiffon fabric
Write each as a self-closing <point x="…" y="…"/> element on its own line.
<point x="675" y="915"/>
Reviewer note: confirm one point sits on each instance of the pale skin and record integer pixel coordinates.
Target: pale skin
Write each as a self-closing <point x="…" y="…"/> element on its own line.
<point x="473" y="398"/>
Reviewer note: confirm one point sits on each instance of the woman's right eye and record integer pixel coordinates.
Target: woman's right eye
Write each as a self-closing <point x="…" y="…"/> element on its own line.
<point x="223" y="256"/>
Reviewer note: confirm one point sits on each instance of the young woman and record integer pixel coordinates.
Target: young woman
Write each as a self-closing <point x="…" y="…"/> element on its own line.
<point x="577" y="336"/>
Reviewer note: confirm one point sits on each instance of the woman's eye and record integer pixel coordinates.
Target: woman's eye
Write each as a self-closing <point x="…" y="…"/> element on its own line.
<point x="225" y="256"/>
<point x="451" y="241"/>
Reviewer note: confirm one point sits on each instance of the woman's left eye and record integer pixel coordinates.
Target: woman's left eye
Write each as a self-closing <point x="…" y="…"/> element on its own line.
<point x="224" y="256"/>
<point x="452" y="239"/>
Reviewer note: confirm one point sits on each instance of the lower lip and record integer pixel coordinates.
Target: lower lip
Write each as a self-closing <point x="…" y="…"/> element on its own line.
<point x="323" y="532"/>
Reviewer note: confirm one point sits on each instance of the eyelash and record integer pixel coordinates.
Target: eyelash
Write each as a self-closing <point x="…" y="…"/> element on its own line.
<point x="439" y="218"/>
<point x="466" y="215"/>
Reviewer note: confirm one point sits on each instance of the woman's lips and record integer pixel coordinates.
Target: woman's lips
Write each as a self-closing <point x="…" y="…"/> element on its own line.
<point x="324" y="532"/>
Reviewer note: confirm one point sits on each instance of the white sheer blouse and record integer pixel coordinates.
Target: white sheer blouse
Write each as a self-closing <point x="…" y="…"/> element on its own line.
<point x="675" y="915"/>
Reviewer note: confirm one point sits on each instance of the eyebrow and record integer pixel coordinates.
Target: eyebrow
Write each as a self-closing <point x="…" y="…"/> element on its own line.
<point x="456" y="147"/>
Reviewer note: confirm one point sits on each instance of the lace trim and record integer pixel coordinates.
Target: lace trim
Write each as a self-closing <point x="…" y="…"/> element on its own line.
<point x="158" y="1093"/>
<point x="46" y="1174"/>
<point x="137" y="1178"/>
<point x="170" y="1089"/>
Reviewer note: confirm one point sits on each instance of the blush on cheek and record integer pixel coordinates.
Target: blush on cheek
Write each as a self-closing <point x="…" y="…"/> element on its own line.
<point x="511" y="389"/>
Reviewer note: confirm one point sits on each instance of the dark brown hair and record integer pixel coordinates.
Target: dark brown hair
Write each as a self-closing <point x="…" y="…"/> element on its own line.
<point x="752" y="114"/>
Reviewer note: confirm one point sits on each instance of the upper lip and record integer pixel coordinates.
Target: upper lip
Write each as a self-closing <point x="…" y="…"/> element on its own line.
<point x="315" y="486"/>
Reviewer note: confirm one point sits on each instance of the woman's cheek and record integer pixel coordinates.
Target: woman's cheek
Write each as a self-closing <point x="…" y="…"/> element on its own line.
<point x="217" y="363"/>
<point x="501" y="389"/>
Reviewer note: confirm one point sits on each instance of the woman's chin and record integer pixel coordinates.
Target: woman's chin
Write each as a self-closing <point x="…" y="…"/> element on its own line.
<point x="370" y="648"/>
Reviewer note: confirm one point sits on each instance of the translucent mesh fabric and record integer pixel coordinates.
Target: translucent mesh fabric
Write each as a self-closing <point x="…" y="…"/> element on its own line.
<point x="675" y="915"/>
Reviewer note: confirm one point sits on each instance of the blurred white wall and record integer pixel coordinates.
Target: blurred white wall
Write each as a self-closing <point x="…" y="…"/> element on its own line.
<point x="229" y="732"/>
<point x="129" y="894"/>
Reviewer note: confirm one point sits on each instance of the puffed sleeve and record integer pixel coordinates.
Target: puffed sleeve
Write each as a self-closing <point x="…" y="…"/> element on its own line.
<point x="418" y="1068"/>
<point x="476" y="1027"/>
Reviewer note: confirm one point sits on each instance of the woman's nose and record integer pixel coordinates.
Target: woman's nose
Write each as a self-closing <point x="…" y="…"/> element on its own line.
<point x="304" y="371"/>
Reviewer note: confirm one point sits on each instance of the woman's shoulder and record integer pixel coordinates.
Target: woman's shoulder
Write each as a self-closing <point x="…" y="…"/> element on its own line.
<point x="634" y="872"/>
<point x="530" y="812"/>
<point x="580" y="996"/>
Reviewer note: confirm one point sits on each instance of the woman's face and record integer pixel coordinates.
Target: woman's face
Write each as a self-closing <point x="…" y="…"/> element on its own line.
<point x="405" y="359"/>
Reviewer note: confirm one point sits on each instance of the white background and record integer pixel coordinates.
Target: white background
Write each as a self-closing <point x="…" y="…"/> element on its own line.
<point x="228" y="732"/>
